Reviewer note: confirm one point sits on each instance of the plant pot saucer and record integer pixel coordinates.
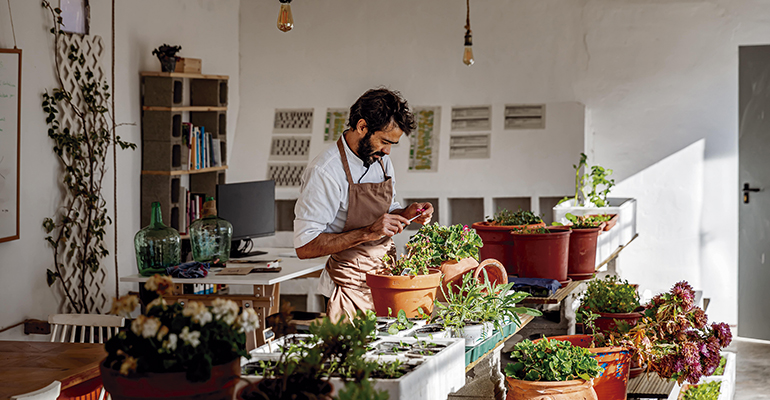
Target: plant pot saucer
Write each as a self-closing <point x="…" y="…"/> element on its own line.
<point x="581" y="277"/>
<point x="565" y="283"/>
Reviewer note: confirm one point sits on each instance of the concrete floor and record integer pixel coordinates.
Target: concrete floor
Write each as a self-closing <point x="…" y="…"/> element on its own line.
<point x="753" y="369"/>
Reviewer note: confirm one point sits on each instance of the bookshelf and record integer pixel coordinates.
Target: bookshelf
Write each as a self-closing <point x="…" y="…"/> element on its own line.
<point x="180" y="162"/>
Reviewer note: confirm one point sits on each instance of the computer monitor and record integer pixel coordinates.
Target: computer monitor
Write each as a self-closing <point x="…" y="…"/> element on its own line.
<point x="250" y="208"/>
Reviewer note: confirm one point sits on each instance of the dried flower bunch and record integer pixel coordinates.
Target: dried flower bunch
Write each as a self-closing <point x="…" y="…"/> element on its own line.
<point x="176" y="338"/>
<point x="674" y="337"/>
<point x="434" y="244"/>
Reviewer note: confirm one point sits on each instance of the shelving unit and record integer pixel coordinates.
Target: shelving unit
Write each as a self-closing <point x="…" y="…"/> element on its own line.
<point x="168" y="100"/>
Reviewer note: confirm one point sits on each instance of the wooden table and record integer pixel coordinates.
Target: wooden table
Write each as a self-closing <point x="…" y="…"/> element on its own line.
<point x="29" y="366"/>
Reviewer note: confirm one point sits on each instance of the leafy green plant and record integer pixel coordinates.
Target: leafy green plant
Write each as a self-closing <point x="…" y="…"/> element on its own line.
<point x="609" y="295"/>
<point x="551" y="361"/>
<point x="166" y="51"/>
<point x="402" y="323"/>
<point x="498" y="304"/>
<point x="596" y="178"/>
<point x="704" y="391"/>
<point x="505" y="217"/>
<point x="531" y="231"/>
<point x="434" y="244"/>
<point x="582" y="221"/>
<point x="721" y="368"/>
<point x="76" y="233"/>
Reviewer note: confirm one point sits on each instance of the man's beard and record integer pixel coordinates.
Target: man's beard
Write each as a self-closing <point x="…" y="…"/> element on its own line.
<point x="366" y="150"/>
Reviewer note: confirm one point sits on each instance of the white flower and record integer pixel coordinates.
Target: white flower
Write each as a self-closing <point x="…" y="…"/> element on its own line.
<point x="191" y="338"/>
<point x="248" y="320"/>
<point x="226" y="310"/>
<point x="170" y="344"/>
<point x="146" y="327"/>
<point x="199" y="313"/>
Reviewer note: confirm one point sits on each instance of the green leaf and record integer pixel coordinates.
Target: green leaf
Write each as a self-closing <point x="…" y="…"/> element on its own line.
<point x="51" y="277"/>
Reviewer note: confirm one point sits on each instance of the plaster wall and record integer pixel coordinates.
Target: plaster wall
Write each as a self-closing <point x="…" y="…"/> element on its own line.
<point x="658" y="80"/>
<point x="205" y="29"/>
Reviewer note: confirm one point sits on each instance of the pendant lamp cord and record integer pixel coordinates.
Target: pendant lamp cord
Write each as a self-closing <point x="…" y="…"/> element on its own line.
<point x="114" y="157"/>
<point x="10" y="14"/>
<point x="468" y="15"/>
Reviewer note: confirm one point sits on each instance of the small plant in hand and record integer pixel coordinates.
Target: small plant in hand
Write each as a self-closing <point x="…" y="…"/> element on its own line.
<point x="551" y="361"/>
<point x="608" y="295"/>
<point x="704" y="391"/>
<point x="434" y="244"/>
<point x="505" y="217"/>
<point x="175" y="338"/>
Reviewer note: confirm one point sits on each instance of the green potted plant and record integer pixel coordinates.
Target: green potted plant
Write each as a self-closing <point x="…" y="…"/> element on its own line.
<point x="550" y="369"/>
<point x="542" y="252"/>
<point x="703" y="391"/>
<point x="614" y="300"/>
<point x="167" y="56"/>
<point x="581" y="262"/>
<point x="175" y="350"/>
<point x="495" y="233"/>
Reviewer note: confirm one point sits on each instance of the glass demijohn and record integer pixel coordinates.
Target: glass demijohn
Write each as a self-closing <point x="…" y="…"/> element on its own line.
<point x="157" y="246"/>
<point x="210" y="236"/>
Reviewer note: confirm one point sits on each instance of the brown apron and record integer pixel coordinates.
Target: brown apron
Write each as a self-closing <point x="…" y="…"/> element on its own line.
<point x="348" y="268"/>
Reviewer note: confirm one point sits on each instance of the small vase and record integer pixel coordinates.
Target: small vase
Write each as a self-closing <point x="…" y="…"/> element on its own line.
<point x="157" y="246"/>
<point x="210" y="236"/>
<point x="167" y="64"/>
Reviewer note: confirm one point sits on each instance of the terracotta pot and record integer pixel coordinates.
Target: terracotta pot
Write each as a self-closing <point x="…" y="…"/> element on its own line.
<point x="581" y="263"/>
<point x="542" y="255"/>
<point x="455" y="270"/>
<point x="403" y="292"/>
<point x="577" y="389"/>
<point x="498" y="242"/>
<point x="616" y="361"/>
<point x="606" y="321"/>
<point x="172" y="385"/>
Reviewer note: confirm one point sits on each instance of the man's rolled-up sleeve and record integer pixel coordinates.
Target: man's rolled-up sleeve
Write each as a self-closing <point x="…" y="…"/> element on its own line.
<point x="317" y="205"/>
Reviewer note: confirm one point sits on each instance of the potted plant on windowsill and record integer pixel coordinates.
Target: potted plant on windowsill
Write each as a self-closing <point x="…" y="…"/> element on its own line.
<point x="542" y="253"/>
<point x="495" y="233"/>
<point x="550" y="369"/>
<point x="176" y="351"/>
<point x="581" y="262"/>
<point x="615" y="301"/>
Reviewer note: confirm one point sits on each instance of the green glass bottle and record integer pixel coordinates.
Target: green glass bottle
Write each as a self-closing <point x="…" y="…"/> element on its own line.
<point x="210" y="235"/>
<point x="157" y="246"/>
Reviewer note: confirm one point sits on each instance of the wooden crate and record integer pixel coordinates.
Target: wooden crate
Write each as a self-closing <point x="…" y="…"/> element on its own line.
<point x="188" y="65"/>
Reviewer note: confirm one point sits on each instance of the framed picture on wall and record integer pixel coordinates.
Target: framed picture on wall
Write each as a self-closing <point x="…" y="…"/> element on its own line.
<point x="10" y="142"/>
<point x="76" y="16"/>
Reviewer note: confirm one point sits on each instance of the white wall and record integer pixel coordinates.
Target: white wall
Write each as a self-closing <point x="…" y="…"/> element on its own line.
<point x="205" y="29"/>
<point x="658" y="79"/>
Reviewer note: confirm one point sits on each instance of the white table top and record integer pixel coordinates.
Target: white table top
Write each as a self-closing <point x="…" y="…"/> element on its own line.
<point x="290" y="268"/>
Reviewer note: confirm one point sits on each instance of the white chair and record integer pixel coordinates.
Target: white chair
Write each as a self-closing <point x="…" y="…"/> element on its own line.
<point x="65" y="327"/>
<point x="50" y="392"/>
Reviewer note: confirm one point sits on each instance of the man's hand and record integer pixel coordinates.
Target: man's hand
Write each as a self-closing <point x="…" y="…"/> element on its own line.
<point x="424" y="210"/>
<point x="388" y="225"/>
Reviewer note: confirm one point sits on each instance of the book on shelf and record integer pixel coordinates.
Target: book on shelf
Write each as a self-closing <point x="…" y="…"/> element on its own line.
<point x="216" y="152"/>
<point x="203" y="151"/>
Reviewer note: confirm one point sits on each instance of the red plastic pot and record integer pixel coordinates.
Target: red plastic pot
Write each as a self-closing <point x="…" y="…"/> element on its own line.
<point x="612" y="383"/>
<point x="582" y="253"/>
<point x="498" y="242"/>
<point x="542" y="255"/>
<point x="606" y="321"/>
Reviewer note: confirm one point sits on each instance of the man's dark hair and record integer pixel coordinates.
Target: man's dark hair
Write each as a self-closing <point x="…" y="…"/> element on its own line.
<point x="378" y="107"/>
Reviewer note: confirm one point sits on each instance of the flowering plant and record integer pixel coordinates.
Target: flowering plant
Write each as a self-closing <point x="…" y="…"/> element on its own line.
<point x="674" y="338"/>
<point x="177" y="338"/>
<point x="434" y="244"/>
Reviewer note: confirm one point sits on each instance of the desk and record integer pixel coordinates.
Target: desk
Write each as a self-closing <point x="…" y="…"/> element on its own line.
<point x="266" y="297"/>
<point x="29" y="366"/>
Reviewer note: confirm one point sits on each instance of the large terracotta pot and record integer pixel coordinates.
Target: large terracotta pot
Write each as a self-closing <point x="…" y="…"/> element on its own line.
<point x="578" y="389"/>
<point x="172" y="385"/>
<point x="606" y="321"/>
<point x="612" y="383"/>
<point x="455" y="270"/>
<point x="581" y="263"/>
<point x="498" y="242"/>
<point x="403" y="292"/>
<point x="542" y="255"/>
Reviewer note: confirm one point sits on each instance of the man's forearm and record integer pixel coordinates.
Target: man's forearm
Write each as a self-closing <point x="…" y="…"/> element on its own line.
<point x="330" y="243"/>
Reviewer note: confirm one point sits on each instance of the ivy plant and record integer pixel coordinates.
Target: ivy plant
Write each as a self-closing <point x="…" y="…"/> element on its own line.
<point x="551" y="361"/>
<point x="76" y="233"/>
<point x="504" y="217"/>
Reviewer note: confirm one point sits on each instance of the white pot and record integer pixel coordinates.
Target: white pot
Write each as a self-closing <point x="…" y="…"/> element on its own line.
<point x="444" y="333"/>
<point x="476" y="333"/>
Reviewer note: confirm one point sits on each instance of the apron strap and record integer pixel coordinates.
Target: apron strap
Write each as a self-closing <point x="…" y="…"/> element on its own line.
<point x="345" y="160"/>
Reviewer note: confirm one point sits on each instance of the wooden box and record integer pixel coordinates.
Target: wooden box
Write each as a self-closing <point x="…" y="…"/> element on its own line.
<point x="188" y="65"/>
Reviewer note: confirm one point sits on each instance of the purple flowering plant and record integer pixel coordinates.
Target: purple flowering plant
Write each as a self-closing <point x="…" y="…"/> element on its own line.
<point x="675" y="339"/>
<point x="434" y="244"/>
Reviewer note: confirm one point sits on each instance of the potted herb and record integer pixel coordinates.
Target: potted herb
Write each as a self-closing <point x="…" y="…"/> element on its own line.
<point x="495" y="233"/>
<point x="174" y="350"/>
<point x="614" y="300"/>
<point x="581" y="262"/>
<point x="167" y="56"/>
<point x="550" y="369"/>
<point x="542" y="252"/>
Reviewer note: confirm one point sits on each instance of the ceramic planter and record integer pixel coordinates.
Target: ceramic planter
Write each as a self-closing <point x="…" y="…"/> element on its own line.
<point x="542" y="255"/>
<point x="498" y="242"/>
<point x="455" y="270"/>
<point x="431" y="331"/>
<point x="577" y="389"/>
<point x="172" y="385"/>
<point x="581" y="263"/>
<point x="406" y="293"/>
<point x="473" y="333"/>
<point x="606" y="321"/>
<point x="612" y="383"/>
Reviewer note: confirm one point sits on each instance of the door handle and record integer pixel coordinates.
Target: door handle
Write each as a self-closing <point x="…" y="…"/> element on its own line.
<point x="746" y="190"/>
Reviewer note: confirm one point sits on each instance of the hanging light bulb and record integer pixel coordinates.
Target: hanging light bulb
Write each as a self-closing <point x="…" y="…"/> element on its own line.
<point x="468" y="51"/>
<point x="285" y="20"/>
